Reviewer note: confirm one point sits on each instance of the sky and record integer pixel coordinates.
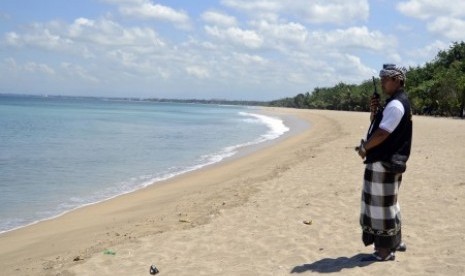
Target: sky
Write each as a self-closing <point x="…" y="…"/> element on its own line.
<point x="224" y="49"/>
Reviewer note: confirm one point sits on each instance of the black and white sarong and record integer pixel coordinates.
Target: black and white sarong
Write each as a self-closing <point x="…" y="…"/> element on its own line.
<point x="380" y="212"/>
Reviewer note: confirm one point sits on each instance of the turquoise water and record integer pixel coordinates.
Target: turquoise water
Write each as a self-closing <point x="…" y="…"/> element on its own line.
<point x="58" y="154"/>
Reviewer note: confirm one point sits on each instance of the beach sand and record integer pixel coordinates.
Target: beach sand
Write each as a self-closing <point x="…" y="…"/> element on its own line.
<point x="245" y="216"/>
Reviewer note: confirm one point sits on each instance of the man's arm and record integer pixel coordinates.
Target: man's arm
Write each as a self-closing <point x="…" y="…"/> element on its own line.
<point x="392" y="116"/>
<point x="376" y="139"/>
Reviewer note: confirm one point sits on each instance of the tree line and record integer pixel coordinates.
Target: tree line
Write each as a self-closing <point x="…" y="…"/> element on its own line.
<point x="210" y="101"/>
<point x="436" y="88"/>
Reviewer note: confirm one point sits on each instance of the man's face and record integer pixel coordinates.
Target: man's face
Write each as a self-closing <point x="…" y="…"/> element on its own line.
<point x="390" y="85"/>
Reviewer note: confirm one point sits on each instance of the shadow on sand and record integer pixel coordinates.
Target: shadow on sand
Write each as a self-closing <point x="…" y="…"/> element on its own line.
<point x="328" y="265"/>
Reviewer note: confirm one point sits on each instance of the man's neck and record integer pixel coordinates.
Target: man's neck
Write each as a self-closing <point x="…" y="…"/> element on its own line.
<point x="397" y="91"/>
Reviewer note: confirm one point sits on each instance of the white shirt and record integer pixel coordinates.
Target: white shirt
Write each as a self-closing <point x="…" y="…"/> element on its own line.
<point x="392" y="115"/>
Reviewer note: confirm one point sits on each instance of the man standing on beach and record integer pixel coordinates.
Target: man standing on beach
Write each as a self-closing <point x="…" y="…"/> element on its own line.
<point x="386" y="152"/>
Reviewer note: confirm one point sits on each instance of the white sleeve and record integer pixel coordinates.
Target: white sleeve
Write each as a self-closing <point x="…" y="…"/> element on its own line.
<point x="392" y="115"/>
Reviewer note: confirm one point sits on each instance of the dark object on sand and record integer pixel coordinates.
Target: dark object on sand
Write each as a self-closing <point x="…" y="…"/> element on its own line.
<point x="153" y="270"/>
<point x="402" y="247"/>
<point x="375" y="257"/>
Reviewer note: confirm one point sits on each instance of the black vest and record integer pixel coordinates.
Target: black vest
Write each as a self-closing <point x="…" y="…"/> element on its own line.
<point x="399" y="141"/>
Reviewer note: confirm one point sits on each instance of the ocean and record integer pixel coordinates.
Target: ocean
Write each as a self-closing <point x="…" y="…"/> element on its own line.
<point x="61" y="153"/>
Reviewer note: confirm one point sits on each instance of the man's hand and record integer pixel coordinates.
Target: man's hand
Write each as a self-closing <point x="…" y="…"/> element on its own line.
<point x="361" y="149"/>
<point x="374" y="104"/>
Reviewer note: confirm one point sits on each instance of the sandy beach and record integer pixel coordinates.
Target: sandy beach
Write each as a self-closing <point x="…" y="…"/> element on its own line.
<point x="245" y="216"/>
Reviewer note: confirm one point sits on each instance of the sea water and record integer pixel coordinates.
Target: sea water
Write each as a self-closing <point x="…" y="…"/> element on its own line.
<point x="61" y="153"/>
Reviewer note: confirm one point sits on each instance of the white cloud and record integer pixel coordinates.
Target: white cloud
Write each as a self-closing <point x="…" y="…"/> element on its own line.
<point x="294" y="77"/>
<point x="451" y="28"/>
<point x="355" y="37"/>
<point x="29" y="67"/>
<point x="428" y="52"/>
<point x="316" y="11"/>
<point x="12" y="39"/>
<point x="10" y="65"/>
<point x="74" y="70"/>
<point x="38" y="67"/>
<point x="198" y="72"/>
<point x="125" y="2"/>
<point x="40" y="36"/>
<point x="346" y="68"/>
<point x="282" y="34"/>
<point x="247" y="59"/>
<point x="254" y="5"/>
<point x="149" y="10"/>
<point x="109" y="50"/>
<point x="443" y="18"/>
<point x="237" y="36"/>
<point x="109" y="33"/>
<point x="286" y="37"/>
<point x="336" y="11"/>
<point x="217" y="18"/>
<point x="425" y="9"/>
<point x="353" y="67"/>
<point x="315" y="69"/>
<point x="146" y="9"/>
<point x="89" y="38"/>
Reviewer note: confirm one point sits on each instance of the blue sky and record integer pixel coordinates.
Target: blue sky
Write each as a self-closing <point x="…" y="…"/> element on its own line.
<point x="225" y="49"/>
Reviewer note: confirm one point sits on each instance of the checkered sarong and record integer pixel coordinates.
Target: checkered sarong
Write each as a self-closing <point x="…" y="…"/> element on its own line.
<point x="380" y="212"/>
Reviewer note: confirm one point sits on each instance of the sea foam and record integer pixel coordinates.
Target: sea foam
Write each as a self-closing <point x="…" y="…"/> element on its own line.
<point x="275" y="128"/>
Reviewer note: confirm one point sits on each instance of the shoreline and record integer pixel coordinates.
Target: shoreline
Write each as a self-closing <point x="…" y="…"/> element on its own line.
<point x="245" y="216"/>
<point x="296" y="126"/>
<point x="241" y="151"/>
